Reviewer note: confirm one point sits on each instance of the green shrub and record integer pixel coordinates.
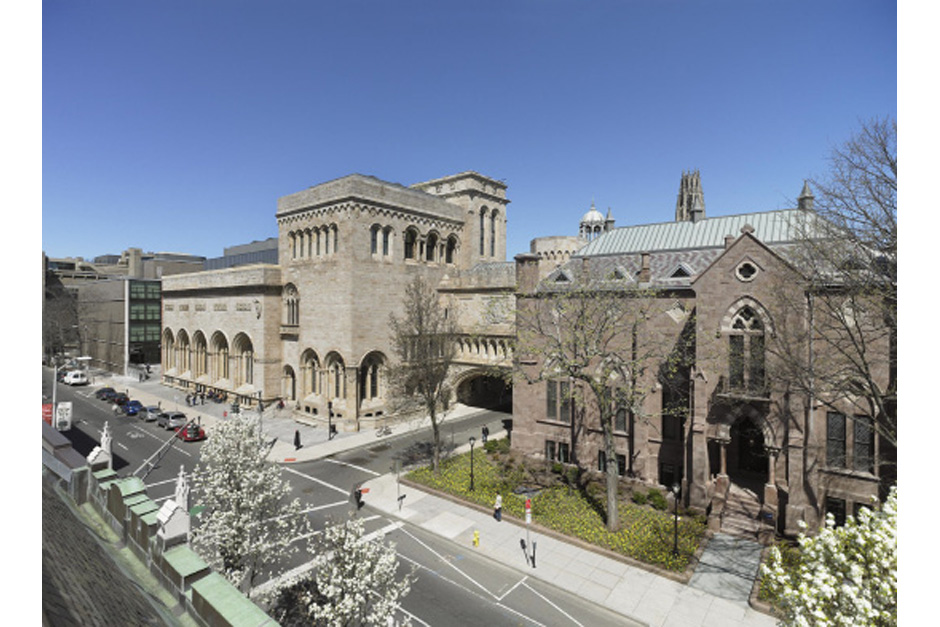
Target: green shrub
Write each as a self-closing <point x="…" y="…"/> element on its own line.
<point x="639" y="498"/>
<point x="657" y="500"/>
<point x="557" y="468"/>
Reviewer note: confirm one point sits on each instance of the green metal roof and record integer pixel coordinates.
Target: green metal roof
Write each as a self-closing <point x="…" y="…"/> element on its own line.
<point x="184" y="560"/>
<point x="770" y="227"/>
<point x="232" y="605"/>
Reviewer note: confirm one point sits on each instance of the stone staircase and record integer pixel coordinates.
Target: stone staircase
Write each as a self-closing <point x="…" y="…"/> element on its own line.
<point x="741" y="514"/>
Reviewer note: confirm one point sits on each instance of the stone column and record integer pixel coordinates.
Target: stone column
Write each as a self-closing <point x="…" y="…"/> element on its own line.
<point x="770" y="490"/>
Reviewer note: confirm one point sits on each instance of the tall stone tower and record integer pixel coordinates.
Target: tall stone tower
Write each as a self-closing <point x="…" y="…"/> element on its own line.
<point x="690" y="205"/>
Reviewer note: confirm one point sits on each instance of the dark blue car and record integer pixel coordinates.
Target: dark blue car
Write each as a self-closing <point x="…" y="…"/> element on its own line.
<point x="132" y="408"/>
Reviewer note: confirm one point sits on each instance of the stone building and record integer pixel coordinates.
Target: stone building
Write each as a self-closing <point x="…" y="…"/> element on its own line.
<point x="313" y="328"/>
<point x="724" y="425"/>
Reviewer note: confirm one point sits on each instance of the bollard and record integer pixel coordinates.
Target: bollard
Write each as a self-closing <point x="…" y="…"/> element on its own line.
<point x="476" y="537"/>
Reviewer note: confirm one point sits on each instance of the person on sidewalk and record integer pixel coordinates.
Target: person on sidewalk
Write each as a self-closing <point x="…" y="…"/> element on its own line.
<point x="297" y="440"/>
<point x="486" y="433"/>
<point x="498" y="508"/>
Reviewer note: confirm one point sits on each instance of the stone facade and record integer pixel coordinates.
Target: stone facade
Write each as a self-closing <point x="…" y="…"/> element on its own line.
<point x="722" y="283"/>
<point x="313" y="330"/>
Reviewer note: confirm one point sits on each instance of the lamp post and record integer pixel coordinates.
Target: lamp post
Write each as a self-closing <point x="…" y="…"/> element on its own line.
<point x="473" y="441"/>
<point x="675" y="506"/>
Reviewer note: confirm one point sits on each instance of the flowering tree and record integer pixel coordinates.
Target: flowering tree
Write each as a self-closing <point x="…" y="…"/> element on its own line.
<point x="354" y="583"/>
<point x="247" y="525"/>
<point x="845" y="576"/>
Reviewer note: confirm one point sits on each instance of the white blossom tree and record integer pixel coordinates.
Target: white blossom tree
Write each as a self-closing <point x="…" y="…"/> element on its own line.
<point x="247" y="525"/>
<point x="354" y="582"/>
<point x="845" y="576"/>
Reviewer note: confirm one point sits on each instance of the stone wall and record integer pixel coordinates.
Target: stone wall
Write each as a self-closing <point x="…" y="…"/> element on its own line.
<point x="123" y="504"/>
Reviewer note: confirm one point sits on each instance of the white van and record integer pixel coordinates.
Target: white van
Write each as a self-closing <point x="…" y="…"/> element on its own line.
<point x="76" y="377"/>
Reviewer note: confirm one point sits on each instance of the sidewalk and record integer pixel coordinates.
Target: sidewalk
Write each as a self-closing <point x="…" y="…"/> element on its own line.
<point x="278" y="425"/>
<point x="716" y="594"/>
<point x="628" y="590"/>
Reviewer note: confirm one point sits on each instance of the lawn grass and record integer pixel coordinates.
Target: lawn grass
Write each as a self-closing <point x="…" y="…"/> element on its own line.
<point x="645" y="534"/>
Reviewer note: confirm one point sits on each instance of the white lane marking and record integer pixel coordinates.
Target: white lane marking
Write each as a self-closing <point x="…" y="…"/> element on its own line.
<point x="441" y="557"/>
<point x="320" y="481"/>
<point x="354" y="466"/>
<point x="543" y="597"/>
<point x="442" y="577"/>
<point x="516" y="585"/>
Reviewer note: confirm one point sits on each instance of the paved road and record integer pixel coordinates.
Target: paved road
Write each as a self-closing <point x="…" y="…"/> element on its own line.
<point x="452" y="587"/>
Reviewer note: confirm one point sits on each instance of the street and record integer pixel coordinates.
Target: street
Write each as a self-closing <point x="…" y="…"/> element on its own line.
<point x="453" y="585"/>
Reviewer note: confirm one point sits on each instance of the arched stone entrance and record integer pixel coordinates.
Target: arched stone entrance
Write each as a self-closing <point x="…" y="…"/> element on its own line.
<point x="479" y="388"/>
<point x="747" y="462"/>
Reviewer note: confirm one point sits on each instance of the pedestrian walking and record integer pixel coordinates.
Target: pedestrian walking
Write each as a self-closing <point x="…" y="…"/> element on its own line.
<point x="297" y="439"/>
<point x="486" y="433"/>
<point x="498" y="508"/>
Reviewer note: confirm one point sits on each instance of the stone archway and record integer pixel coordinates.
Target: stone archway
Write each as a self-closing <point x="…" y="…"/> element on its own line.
<point x="747" y="454"/>
<point x="480" y="388"/>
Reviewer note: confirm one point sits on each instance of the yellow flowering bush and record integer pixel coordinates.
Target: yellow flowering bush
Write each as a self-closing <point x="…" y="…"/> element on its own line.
<point x="645" y="534"/>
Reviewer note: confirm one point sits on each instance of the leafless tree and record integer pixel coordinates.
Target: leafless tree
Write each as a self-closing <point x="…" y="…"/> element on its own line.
<point x="846" y="350"/>
<point x="595" y="335"/>
<point x="424" y="342"/>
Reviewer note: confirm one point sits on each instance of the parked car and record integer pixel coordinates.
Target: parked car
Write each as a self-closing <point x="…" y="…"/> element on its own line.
<point x="104" y="393"/>
<point x="191" y="432"/>
<point x="132" y="408"/>
<point x="76" y="377"/>
<point x="150" y="414"/>
<point x="119" y="399"/>
<point x="171" y="420"/>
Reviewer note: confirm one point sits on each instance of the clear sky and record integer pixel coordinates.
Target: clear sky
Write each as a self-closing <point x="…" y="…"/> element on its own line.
<point x="176" y="126"/>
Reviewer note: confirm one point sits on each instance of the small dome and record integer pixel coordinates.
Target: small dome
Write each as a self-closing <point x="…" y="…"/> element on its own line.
<point x="593" y="216"/>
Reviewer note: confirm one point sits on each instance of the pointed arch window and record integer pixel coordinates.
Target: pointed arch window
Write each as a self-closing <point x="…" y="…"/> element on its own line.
<point x="746" y="351"/>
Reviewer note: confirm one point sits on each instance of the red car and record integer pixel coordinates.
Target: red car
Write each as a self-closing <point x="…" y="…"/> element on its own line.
<point x="191" y="433"/>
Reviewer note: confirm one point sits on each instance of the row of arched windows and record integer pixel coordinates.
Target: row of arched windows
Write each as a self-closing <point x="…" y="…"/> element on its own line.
<point x="215" y="359"/>
<point x="483" y="347"/>
<point x="327" y="379"/>
<point x="430" y="246"/>
<point x="313" y="242"/>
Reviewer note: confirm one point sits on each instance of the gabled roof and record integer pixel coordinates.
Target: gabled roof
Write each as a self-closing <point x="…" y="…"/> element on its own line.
<point x="770" y="227"/>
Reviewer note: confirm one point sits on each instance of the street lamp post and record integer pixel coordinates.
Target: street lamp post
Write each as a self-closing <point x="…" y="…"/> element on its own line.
<point x="473" y="441"/>
<point x="675" y="506"/>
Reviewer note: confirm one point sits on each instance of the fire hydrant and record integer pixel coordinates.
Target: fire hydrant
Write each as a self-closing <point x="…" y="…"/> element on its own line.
<point x="476" y="537"/>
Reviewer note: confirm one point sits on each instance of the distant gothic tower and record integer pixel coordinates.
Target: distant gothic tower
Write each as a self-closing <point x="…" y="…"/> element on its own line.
<point x="690" y="205"/>
<point x="594" y="224"/>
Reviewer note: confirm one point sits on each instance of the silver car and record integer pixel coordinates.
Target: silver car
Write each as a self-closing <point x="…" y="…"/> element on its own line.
<point x="150" y="414"/>
<point x="171" y="420"/>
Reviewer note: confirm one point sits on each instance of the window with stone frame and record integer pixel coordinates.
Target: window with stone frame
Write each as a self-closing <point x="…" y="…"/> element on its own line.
<point x="863" y="450"/>
<point x="835" y="440"/>
<point x="386" y="241"/>
<point x="411" y="240"/>
<point x="374" y="239"/>
<point x="620" y="420"/>
<point x="746" y="352"/>
<point x="558" y="404"/>
<point x="602" y="462"/>
<point x="550" y="450"/>
<point x="836" y="507"/>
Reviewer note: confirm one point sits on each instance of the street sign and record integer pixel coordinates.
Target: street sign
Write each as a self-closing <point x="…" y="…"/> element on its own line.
<point x="528" y="511"/>
<point x="63" y="416"/>
<point x="47" y="413"/>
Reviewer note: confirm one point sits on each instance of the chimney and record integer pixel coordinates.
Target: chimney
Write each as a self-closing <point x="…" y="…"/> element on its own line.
<point x="644" y="268"/>
<point x="135" y="266"/>
<point x="527" y="272"/>
<point x="729" y="240"/>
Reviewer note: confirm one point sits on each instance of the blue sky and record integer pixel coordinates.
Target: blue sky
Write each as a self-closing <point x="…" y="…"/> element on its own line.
<point x="176" y="126"/>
